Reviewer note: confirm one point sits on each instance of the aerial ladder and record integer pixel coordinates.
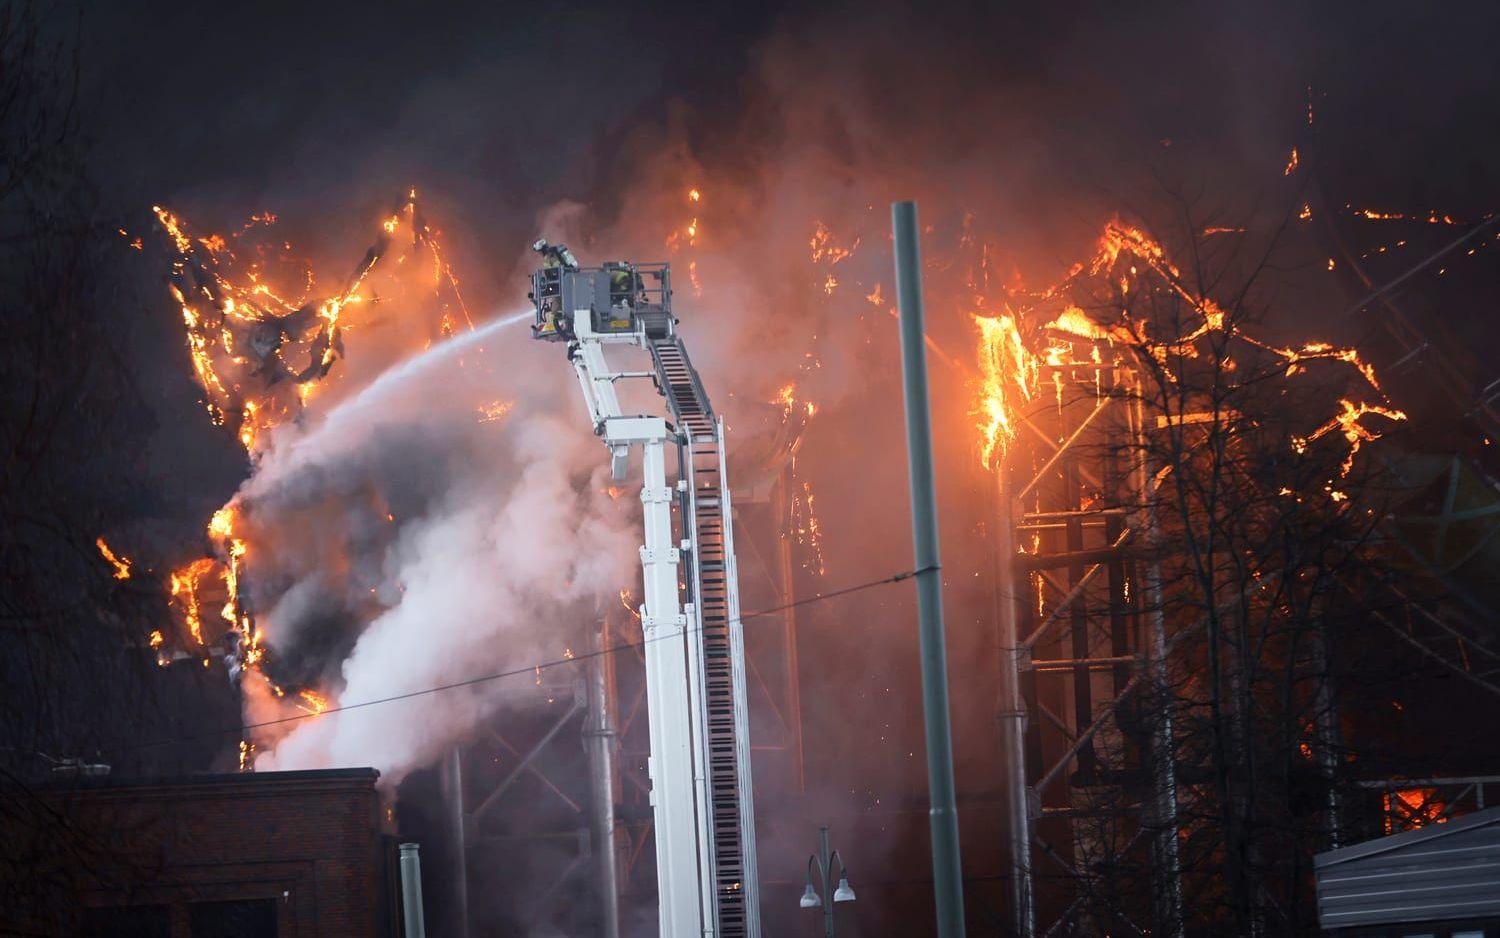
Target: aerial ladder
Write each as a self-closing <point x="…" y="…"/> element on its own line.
<point x="694" y="650"/>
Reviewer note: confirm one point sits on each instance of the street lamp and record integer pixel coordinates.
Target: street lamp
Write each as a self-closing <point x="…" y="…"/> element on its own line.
<point x="823" y="861"/>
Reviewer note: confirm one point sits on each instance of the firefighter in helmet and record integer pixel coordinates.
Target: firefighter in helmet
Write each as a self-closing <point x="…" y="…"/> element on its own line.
<point x="555" y="259"/>
<point x="625" y="288"/>
<point x="555" y="255"/>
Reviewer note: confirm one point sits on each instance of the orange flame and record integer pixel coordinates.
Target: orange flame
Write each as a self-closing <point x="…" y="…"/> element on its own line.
<point x="824" y="250"/>
<point x="119" y="562"/>
<point x="786" y="396"/>
<point x="495" y="410"/>
<point x="1347" y="422"/>
<point x="806" y="527"/>
<point x="237" y="325"/>
<point x="1008" y="371"/>
<point x="1075" y="321"/>
<point x="184" y="585"/>
<point x="312" y="702"/>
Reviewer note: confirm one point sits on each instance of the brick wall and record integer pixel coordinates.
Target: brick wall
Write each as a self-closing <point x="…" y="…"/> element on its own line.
<point x="309" y="843"/>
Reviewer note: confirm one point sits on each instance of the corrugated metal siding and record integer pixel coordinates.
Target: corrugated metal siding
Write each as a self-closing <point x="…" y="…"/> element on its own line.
<point x="1445" y="871"/>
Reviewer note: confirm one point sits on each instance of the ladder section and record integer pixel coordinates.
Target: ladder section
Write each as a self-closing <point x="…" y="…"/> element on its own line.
<point x="678" y="380"/>
<point x="726" y="743"/>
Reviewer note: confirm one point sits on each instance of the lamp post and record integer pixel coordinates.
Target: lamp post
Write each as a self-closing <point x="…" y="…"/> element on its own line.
<point x="823" y="861"/>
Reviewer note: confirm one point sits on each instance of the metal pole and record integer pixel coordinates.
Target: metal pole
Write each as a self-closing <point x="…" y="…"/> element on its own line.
<point x="454" y="783"/>
<point x="947" y="871"/>
<point x="599" y="737"/>
<point x="1012" y="714"/>
<point x="1163" y="815"/>
<point x="787" y="600"/>
<point x="1328" y="741"/>
<point x="825" y="867"/>
<point x="413" y="925"/>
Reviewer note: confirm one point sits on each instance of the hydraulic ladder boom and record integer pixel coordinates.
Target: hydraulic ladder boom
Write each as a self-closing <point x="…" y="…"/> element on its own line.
<point x="695" y="671"/>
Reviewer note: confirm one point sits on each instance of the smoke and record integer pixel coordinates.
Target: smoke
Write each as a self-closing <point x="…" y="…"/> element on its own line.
<point x="409" y="537"/>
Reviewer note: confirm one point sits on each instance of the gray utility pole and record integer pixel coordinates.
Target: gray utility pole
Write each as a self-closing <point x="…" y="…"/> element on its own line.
<point x="453" y="790"/>
<point x="947" y="870"/>
<point x="599" y="740"/>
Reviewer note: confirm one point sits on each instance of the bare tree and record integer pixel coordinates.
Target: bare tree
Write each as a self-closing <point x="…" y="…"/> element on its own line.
<point x="72" y="622"/>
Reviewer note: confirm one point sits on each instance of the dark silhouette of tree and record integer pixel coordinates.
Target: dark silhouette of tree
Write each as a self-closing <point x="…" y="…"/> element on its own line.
<point x="75" y="661"/>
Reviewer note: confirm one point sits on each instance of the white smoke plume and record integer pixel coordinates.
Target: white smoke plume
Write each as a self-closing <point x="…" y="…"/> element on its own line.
<point x="450" y="520"/>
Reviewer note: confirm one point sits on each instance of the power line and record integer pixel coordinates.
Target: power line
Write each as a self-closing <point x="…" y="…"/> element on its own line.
<point x="534" y="668"/>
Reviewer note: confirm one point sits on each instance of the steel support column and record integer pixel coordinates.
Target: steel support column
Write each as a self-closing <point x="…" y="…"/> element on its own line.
<point x="1011" y="713"/>
<point x="599" y="738"/>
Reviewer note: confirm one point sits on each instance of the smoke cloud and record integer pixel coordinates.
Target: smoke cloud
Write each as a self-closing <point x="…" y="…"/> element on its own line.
<point x="443" y="523"/>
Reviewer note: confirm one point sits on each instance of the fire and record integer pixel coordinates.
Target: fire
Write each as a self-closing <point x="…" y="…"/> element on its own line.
<point x="786" y="396"/>
<point x="221" y="525"/>
<point x="120" y="563"/>
<point x="241" y="329"/>
<point x="1347" y="423"/>
<point x="312" y="702"/>
<point x="1410" y="808"/>
<point x="1291" y="163"/>
<point x="688" y="232"/>
<point x="245" y="317"/>
<point x="1314" y="351"/>
<point x="1075" y="321"/>
<point x="495" y="410"/>
<point x="1121" y="239"/>
<point x="184" y="586"/>
<point x="1008" y="371"/>
<point x="806" y="527"/>
<point x="824" y="250"/>
<point x="1433" y="217"/>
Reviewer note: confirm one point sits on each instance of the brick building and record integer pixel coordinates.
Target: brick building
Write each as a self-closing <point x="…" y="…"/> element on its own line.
<point x="255" y="855"/>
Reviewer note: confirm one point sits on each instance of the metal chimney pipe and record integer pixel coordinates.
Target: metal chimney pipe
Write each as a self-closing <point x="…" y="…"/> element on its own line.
<point x="413" y="924"/>
<point x="947" y="869"/>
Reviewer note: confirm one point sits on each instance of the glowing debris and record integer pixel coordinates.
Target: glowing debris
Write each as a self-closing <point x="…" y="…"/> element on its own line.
<point x="120" y="563"/>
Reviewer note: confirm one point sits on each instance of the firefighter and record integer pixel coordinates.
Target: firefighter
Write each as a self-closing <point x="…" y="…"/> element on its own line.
<point x="555" y="255"/>
<point x="555" y="259"/>
<point x="624" y="284"/>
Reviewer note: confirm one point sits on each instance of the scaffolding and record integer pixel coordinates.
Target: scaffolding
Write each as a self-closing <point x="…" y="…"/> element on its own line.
<point x="525" y="788"/>
<point x="1089" y="761"/>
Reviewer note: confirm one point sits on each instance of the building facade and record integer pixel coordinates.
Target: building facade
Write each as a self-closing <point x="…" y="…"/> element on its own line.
<point x="252" y="855"/>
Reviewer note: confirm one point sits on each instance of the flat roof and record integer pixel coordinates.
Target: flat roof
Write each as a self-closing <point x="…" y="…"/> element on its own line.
<point x="76" y="782"/>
